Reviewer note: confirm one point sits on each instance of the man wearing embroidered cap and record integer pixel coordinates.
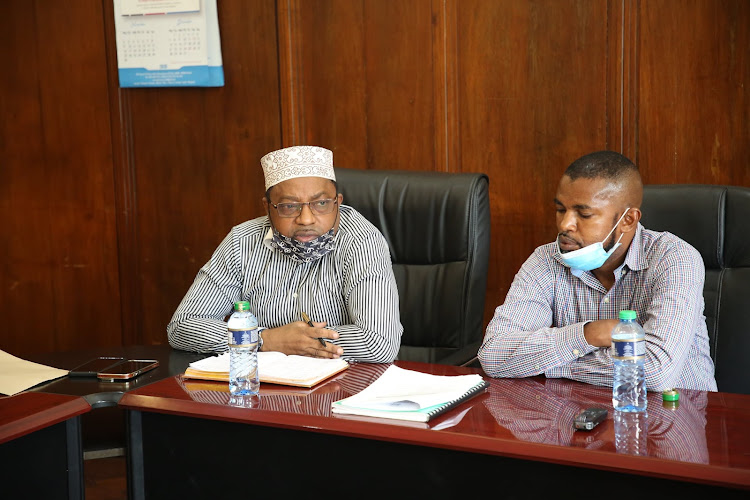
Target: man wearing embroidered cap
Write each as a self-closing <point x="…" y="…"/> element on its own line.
<point x="310" y="254"/>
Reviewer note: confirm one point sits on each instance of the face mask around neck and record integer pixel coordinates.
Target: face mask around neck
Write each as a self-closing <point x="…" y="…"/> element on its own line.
<point x="593" y="256"/>
<point x="304" y="251"/>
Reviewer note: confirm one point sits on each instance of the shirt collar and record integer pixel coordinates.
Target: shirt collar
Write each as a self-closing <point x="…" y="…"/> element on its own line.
<point x="268" y="238"/>
<point x="635" y="259"/>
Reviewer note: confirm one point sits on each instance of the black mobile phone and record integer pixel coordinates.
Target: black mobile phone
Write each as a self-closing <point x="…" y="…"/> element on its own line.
<point x="589" y="418"/>
<point x="93" y="366"/>
<point x="127" y="370"/>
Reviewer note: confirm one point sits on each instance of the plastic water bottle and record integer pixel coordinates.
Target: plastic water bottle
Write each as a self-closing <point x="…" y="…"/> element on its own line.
<point x="628" y="353"/>
<point x="631" y="432"/>
<point x="242" y="329"/>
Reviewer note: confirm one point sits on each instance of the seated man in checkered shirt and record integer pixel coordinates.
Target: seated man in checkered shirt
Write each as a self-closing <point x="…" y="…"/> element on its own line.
<point x="564" y="301"/>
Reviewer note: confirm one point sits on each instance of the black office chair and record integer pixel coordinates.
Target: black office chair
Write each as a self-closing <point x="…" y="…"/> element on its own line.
<point x="716" y="221"/>
<point x="437" y="226"/>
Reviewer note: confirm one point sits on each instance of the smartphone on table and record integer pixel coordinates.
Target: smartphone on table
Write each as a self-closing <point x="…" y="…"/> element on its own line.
<point x="93" y="366"/>
<point x="127" y="370"/>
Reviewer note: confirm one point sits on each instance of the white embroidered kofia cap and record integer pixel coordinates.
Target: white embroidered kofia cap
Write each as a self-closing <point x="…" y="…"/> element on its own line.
<point x="297" y="161"/>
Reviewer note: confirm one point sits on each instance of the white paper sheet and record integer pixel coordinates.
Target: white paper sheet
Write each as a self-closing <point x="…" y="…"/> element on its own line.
<point x="17" y="375"/>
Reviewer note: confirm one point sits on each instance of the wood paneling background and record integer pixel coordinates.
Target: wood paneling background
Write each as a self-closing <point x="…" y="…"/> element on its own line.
<point x="59" y="285"/>
<point x="111" y="199"/>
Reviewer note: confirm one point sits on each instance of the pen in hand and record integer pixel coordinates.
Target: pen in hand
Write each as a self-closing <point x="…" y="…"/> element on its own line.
<point x="309" y="322"/>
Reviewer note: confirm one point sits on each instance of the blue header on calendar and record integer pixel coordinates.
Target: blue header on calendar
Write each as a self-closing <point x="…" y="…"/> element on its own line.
<point x="189" y="76"/>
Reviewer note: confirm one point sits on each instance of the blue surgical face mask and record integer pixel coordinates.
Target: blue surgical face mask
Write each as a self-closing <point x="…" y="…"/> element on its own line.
<point x="593" y="256"/>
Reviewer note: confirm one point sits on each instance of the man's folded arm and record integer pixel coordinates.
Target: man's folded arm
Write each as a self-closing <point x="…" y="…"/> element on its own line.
<point x="525" y="353"/>
<point x="520" y="341"/>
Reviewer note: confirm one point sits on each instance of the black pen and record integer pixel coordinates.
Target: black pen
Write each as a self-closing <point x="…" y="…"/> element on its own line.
<point x="309" y="322"/>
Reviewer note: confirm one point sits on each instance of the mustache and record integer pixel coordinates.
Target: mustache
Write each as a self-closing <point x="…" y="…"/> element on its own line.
<point x="570" y="239"/>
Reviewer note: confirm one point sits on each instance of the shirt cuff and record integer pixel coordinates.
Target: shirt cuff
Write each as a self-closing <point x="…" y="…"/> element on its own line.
<point x="572" y="345"/>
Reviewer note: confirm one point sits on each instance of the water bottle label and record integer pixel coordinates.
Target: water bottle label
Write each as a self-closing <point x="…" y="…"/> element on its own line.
<point x="243" y="337"/>
<point x="634" y="350"/>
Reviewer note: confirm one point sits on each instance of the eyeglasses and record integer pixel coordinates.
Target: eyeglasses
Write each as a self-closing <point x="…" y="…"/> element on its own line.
<point x="317" y="207"/>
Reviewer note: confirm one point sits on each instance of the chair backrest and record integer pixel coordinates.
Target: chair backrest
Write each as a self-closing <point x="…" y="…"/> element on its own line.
<point x="437" y="226"/>
<point x="716" y="221"/>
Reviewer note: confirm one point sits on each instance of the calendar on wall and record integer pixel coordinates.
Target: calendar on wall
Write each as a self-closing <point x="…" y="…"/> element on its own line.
<point x="168" y="43"/>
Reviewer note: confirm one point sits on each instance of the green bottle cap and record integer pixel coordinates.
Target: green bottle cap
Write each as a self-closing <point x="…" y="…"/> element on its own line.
<point x="670" y="395"/>
<point x="627" y="314"/>
<point x="242" y="305"/>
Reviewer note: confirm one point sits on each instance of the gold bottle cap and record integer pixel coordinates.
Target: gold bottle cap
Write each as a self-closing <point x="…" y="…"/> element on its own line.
<point x="671" y="405"/>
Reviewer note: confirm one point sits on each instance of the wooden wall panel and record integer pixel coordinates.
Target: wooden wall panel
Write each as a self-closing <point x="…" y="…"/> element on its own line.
<point x="59" y="276"/>
<point x="196" y="159"/>
<point x="622" y="77"/>
<point x="358" y="79"/>
<point x="532" y="98"/>
<point x="694" y="110"/>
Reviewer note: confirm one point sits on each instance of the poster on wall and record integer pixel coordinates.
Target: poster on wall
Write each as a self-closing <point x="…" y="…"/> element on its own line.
<point x="168" y="43"/>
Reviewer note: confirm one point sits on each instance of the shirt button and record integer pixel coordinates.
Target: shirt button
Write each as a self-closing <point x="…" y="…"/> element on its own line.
<point x="294" y="295"/>
<point x="576" y="352"/>
<point x="536" y="366"/>
<point x="606" y="300"/>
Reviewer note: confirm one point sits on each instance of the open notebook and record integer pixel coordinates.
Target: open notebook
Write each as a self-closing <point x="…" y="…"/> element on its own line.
<point x="273" y="368"/>
<point x="411" y="395"/>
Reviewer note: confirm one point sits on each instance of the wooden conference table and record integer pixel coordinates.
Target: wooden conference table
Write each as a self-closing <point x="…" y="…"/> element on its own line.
<point x="40" y="446"/>
<point x="516" y="440"/>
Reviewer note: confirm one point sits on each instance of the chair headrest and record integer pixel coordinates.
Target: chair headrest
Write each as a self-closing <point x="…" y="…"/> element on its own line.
<point x="424" y="216"/>
<point x="714" y="219"/>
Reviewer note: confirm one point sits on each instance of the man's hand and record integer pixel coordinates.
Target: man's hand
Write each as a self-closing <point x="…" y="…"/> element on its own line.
<point x="599" y="333"/>
<point x="301" y="339"/>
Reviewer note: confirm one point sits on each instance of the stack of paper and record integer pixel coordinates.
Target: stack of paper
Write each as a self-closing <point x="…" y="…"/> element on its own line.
<point x="411" y="395"/>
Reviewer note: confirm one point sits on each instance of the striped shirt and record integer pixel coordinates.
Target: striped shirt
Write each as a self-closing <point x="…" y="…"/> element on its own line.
<point x="351" y="288"/>
<point x="539" y="328"/>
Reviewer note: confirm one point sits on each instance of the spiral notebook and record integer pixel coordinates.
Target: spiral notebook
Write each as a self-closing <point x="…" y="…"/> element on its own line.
<point x="411" y="395"/>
